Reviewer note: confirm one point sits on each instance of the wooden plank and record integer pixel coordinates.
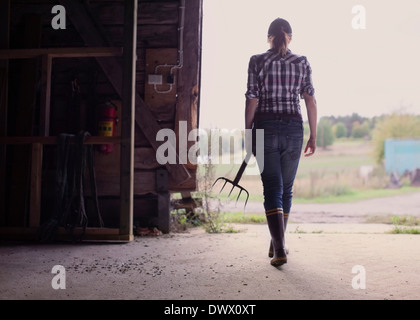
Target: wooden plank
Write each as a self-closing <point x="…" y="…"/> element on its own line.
<point x="91" y="234"/>
<point x="161" y="98"/>
<point x="145" y="158"/>
<point x="127" y="121"/>
<point x="4" y="90"/>
<point x="24" y="124"/>
<point x="144" y="183"/>
<point x="61" y="52"/>
<point x="163" y="200"/>
<point x="53" y="140"/>
<point x="36" y="185"/>
<point x="45" y="104"/>
<point x="112" y="68"/>
<point x="149" y="36"/>
<point x="189" y="74"/>
<point x="153" y="13"/>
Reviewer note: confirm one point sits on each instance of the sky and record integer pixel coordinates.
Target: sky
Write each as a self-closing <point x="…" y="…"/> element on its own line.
<point x="371" y="71"/>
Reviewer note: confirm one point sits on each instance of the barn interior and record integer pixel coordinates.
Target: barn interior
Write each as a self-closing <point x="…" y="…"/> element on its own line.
<point x="85" y="86"/>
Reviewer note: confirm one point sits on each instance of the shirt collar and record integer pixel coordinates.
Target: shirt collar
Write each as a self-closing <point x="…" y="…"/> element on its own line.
<point x="288" y="51"/>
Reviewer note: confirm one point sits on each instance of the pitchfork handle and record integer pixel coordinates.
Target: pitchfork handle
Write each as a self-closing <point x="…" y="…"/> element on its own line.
<point x="242" y="169"/>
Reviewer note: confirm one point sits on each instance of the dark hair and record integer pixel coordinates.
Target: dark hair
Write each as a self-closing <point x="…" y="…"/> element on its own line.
<point x="279" y="30"/>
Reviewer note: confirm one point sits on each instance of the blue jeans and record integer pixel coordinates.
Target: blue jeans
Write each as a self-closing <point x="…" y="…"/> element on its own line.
<point x="283" y="141"/>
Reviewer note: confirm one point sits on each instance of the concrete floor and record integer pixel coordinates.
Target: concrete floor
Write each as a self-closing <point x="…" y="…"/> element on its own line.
<point x="235" y="266"/>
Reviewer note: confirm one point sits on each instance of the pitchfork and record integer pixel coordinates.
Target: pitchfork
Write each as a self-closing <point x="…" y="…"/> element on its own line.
<point x="235" y="183"/>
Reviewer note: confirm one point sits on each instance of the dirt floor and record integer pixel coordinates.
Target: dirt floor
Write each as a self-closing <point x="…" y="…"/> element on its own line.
<point x="327" y="244"/>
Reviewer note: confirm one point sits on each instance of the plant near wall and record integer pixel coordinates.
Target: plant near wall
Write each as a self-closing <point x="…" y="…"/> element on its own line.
<point x="211" y="204"/>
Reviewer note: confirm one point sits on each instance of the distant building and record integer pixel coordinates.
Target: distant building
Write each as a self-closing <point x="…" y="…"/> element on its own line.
<point x="402" y="155"/>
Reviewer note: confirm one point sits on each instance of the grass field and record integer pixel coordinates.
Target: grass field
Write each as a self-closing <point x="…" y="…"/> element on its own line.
<point x="332" y="175"/>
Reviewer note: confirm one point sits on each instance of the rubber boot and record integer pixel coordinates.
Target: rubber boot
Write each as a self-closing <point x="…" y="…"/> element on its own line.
<point x="271" y="250"/>
<point x="276" y="226"/>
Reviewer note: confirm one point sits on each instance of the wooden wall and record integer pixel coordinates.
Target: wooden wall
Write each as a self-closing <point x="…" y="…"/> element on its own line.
<point x="81" y="85"/>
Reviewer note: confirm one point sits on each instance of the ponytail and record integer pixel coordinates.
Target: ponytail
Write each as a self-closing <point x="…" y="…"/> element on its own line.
<point x="281" y="31"/>
<point x="280" y="43"/>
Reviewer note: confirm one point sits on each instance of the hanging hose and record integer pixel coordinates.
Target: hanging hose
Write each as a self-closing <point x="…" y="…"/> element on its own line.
<point x="69" y="211"/>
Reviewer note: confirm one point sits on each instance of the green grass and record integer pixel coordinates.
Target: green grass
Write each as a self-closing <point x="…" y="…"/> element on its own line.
<point x="404" y="224"/>
<point x="331" y="176"/>
<point x="349" y="197"/>
<point x="333" y="164"/>
<point x="405" y="221"/>
<point x="243" y="218"/>
<point x="404" y="230"/>
<point x="357" y="195"/>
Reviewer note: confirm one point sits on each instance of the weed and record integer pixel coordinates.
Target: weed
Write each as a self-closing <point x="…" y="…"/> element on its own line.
<point x="399" y="230"/>
<point x="401" y="224"/>
<point x="240" y="217"/>
<point x="214" y="219"/>
<point x="405" y="220"/>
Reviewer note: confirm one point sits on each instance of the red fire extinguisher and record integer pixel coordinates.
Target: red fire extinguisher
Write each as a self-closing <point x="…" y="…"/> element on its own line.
<point x="107" y="126"/>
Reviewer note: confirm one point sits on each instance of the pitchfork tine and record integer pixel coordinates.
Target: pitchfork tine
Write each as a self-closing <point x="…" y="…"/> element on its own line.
<point x="247" y="197"/>
<point x="239" y="195"/>
<point x="231" y="190"/>
<point x="223" y="187"/>
<point x="235" y="183"/>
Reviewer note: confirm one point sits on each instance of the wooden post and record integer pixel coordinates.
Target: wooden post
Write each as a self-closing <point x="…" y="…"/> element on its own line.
<point x="24" y="124"/>
<point x="189" y="74"/>
<point x="163" y="200"/>
<point x="128" y="122"/>
<point x="44" y="121"/>
<point x="4" y="76"/>
<point x="36" y="185"/>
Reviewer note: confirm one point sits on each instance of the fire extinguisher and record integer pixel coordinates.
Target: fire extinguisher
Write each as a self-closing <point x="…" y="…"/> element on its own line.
<point x="108" y="121"/>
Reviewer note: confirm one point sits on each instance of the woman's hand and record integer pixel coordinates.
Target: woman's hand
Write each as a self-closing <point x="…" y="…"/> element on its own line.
<point x="312" y="110"/>
<point x="310" y="147"/>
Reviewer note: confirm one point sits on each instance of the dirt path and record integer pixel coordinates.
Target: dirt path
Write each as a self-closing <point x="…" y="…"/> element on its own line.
<point x="357" y="212"/>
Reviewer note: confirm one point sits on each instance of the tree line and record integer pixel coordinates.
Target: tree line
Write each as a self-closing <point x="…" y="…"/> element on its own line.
<point x="378" y="129"/>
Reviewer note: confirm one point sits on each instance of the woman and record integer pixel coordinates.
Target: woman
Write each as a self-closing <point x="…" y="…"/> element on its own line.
<point x="277" y="79"/>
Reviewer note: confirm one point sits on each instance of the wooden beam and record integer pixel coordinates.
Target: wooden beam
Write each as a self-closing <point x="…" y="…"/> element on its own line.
<point x="189" y="74"/>
<point x="113" y="70"/>
<point x="53" y="140"/>
<point x="36" y="185"/>
<point x="24" y="124"/>
<point x="4" y="89"/>
<point x="45" y="104"/>
<point x="90" y="234"/>
<point x="164" y="200"/>
<point x="61" y="52"/>
<point x="127" y="115"/>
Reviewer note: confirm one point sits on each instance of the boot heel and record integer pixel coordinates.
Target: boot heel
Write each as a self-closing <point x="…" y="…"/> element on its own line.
<point x="277" y="262"/>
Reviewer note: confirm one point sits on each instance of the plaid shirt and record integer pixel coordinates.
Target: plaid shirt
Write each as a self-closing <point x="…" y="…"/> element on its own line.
<point x="278" y="82"/>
